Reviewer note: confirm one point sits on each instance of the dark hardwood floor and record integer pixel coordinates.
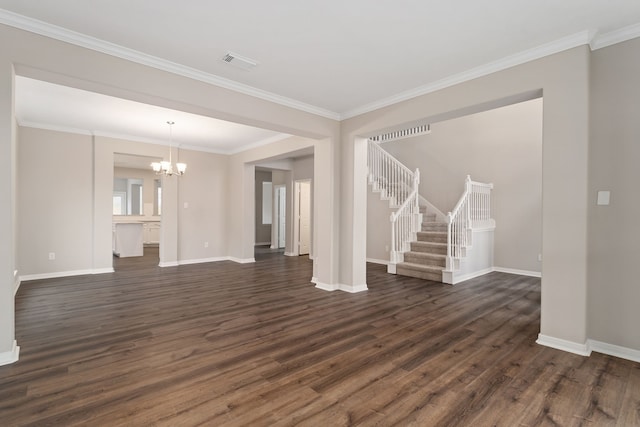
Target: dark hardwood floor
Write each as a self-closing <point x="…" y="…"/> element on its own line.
<point x="225" y="344"/>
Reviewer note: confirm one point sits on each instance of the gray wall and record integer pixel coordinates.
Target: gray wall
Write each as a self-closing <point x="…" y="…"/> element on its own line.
<point x="614" y="165"/>
<point x="502" y="146"/>
<point x="263" y="231"/>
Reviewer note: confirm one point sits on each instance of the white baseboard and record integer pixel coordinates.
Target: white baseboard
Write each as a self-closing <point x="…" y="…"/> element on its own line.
<point x="10" y="356"/>
<point x="352" y="289"/>
<point x="168" y="264"/>
<point x="58" y="274"/>
<point x="16" y="282"/>
<point x="314" y="280"/>
<point x="326" y="286"/>
<point x="458" y="279"/>
<point x="564" y="345"/>
<point x="378" y="261"/>
<point x="614" y="350"/>
<point x="241" y="260"/>
<point x="290" y="254"/>
<point x="520" y="272"/>
<point x="263" y="244"/>
<point x="202" y="260"/>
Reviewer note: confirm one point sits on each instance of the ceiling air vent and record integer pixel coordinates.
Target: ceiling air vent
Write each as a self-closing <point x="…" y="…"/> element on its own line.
<point x="239" y="61"/>
<point x="401" y="134"/>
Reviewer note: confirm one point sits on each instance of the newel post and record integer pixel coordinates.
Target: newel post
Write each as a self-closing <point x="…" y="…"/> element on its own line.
<point x="449" y="260"/>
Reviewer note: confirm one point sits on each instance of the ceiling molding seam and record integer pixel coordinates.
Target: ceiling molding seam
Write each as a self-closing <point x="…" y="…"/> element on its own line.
<point x="62" y="34"/>
<point x="519" y="58"/>
<point x="613" y="37"/>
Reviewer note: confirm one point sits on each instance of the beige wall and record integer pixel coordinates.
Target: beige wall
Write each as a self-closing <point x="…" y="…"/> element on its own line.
<point x="340" y="186"/>
<point x="614" y="165"/>
<point x="564" y="80"/>
<point x="502" y="146"/>
<point x="55" y="202"/>
<point x="204" y="189"/>
<point x="58" y="62"/>
<point x="71" y="216"/>
<point x="241" y="234"/>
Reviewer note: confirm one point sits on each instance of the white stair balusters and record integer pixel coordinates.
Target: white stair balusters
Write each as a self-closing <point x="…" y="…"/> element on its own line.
<point x="473" y="210"/>
<point x="399" y="185"/>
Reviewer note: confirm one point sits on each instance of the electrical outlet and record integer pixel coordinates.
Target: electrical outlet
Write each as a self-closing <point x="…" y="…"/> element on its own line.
<point x="52" y="256"/>
<point x="539" y="257"/>
<point x="386" y="248"/>
<point x="206" y="244"/>
<point x="186" y="205"/>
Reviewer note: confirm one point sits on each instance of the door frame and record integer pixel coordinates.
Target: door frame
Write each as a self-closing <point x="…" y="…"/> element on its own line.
<point x="277" y="200"/>
<point x="296" y="216"/>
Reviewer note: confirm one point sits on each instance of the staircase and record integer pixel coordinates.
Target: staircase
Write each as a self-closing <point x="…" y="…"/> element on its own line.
<point x="424" y="242"/>
<point x="427" y="257"/>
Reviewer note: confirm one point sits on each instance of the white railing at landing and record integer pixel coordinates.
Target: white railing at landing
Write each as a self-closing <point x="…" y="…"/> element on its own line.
<point x="399" y="185"/>
<point x="388" y="176"/>
<point x="472" y="211"/>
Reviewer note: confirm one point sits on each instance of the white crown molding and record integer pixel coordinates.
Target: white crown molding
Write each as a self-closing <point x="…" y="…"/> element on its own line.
<point x="76" y="131"/>
<point x="55" y="32"/>
<point x="547" y="49"/>
<point x="55" y="128"/>
<point x="613" y="37"/>
<point x="596" y="41"/>
<point x="266" y="141"/>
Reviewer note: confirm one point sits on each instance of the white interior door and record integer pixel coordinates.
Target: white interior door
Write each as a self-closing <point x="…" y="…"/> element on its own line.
<point x="281" y="194"/>
<point x="304" y="219"/>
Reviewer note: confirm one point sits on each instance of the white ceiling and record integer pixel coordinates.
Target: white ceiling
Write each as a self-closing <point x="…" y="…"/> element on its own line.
<point x="334" y="58"/>
<point x="41" y="104"/>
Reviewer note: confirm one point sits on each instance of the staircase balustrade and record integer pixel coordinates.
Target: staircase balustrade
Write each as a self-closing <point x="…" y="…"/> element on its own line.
<point x="399" y="184"/>
<point x="386" y="174"/>
<point x="472" y="210"/>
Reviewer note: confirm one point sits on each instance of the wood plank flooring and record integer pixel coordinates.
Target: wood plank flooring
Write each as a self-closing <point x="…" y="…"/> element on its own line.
<point x="225" y="344"/>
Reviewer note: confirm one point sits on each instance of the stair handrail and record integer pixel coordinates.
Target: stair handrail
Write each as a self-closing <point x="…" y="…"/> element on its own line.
<point x="472" y="210"/>
<point x="388" y="175"/>
<point x="399" y="184"/>
<point x="405" y="222"/>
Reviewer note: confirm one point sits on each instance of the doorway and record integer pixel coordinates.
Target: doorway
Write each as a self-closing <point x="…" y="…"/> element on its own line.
<point x="280" y="210"/>
<point x="302" y="214"/>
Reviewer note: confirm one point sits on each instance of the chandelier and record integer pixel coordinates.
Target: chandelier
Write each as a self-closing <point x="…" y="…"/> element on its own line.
<point x="167" y="168"/>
